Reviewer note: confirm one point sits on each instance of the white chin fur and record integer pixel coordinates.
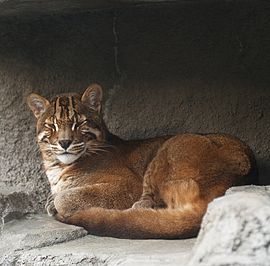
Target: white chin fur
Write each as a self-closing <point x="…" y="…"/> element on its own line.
<point x="68" y="158"/>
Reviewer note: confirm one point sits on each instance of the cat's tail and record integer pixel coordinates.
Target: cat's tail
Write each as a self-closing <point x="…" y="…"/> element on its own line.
<point x="177" y="221"/>
<point x="138" y="223"/>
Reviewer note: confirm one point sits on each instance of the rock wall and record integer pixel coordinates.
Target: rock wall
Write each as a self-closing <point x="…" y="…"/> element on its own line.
<point x="166" y="69"/>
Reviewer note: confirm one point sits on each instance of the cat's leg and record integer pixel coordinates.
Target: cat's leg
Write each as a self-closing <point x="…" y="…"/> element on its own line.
<point x="183" y="195"/>
<point x="49" y="206"/>
<point x="165" y="186"/>
<point x="155" y="175"/>
<point x="106" y="195"/>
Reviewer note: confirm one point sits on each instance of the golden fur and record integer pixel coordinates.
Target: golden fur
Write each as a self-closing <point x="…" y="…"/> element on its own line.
<point x="156" y="188"/>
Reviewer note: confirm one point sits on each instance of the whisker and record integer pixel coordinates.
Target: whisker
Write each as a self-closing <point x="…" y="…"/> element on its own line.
<point x="78" y="145"/>
<point x="76" y="149"/>
<point x="97" y="150"/>
<point x="90" y="152"/>
<point x="97" y="144"/>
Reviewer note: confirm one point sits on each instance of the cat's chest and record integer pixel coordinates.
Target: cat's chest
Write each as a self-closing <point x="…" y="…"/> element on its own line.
<point x="84" y="172"/>
<point x="54" y="175"/>
<point x="62" y="178"/>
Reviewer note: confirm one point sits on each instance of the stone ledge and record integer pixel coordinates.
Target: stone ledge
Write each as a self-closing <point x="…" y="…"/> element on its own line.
<point x="235" y="232"/>
<point x="109" y="251"/>
<point x="40" y="240"/>
<point x="36" y="231"/>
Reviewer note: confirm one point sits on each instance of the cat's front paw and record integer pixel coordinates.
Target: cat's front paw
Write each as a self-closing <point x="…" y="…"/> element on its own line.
<point x="50" y="207"/>
<point x="145" y="203"/>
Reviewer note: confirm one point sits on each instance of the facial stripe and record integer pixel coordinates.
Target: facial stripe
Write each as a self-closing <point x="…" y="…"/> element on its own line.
<point x="65" y="108"/>
<point x="64" y="104"/>
<point x="71" y="108"/>
<point x="73" y="126"/>
<point x="61" y="108"/>
<point x="55" y="124"/>
<point x="75" y="113"/>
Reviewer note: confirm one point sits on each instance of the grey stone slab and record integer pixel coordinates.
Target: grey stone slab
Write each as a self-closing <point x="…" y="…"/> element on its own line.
<point x="40" y="240"/>
<point x="35" y="231"/>
<point x="91" y="250"/>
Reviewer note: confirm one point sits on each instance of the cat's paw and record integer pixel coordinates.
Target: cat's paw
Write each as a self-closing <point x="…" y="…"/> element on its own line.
<point x="50" y="207"/>
<point x="146" y="203"/>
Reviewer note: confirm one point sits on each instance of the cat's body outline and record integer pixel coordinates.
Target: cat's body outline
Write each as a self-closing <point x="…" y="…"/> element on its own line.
<point x="156" y="188"/>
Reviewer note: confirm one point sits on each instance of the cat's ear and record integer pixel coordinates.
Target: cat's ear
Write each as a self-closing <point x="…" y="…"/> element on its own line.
<point x="92" y="97"/>
<point x="37" y="104"/>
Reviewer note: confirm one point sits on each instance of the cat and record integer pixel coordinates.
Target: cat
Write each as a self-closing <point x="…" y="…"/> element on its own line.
<point x="153" y="188"/>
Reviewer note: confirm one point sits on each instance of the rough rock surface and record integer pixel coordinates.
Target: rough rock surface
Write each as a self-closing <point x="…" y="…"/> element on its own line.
<point x="15" y="204"/>
<point x="34" y="231"/>
<point x="258" y="190"/>
<point x="236" y="230"/>
<point x="40" y="240"/>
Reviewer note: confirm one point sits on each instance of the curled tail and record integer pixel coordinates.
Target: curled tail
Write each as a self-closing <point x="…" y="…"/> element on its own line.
<point x="138" y="223"/>
<point x="181" y="219"/>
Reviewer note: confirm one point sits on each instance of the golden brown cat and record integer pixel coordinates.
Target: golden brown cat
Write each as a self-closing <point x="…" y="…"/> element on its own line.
<point x="156" y="188"/>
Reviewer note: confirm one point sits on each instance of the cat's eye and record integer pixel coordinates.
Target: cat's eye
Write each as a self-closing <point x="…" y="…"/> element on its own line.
<point x="78" y="125"/>
<point x="89" y="133"/>
<point x="45" y="139"/>
<point x="50" y="126"/>
<point x="82" y="123"/>
<point x="44" y="136"/>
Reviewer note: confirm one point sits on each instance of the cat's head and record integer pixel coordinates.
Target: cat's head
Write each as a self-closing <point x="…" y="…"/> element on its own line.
<point x="70" y="125"/>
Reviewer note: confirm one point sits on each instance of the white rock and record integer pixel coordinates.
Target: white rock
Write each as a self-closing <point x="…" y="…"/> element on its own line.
<point x="235" y="230"/>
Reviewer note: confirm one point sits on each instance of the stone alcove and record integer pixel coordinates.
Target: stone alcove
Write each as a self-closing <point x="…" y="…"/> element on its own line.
<point x="166" y="67"/>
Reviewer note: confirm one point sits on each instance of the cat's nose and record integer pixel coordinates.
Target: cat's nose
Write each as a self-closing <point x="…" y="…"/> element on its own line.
<point x="65" y="143"/>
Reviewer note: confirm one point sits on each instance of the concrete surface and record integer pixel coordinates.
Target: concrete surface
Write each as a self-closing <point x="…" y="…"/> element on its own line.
<point x="235" y="230"/>
<point x="198" y="66"/>
<point x="35" y="241"/>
